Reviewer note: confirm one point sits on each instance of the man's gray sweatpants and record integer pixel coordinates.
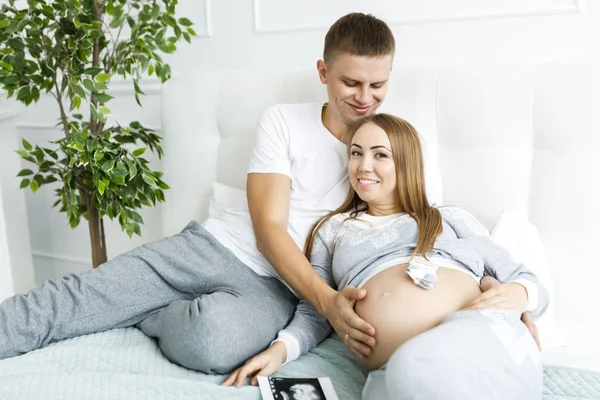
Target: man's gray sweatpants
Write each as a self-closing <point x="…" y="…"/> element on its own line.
<point x="206" y="309"/>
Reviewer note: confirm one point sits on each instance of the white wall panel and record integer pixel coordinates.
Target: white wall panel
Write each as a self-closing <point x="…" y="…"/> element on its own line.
<point x="280" y="16"/>
<point x="288" y="35"/>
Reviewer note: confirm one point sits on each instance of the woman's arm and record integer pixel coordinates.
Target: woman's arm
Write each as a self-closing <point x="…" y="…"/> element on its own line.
<point x="305" y="331"/>
<point x="498" y="263"/>
<point x="489" y="283"/>
<point x="308" y="328"/>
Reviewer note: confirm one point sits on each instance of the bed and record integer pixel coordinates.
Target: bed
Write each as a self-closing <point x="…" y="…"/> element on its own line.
<point x="126" y="364"/>
<point x="518" y="141"/>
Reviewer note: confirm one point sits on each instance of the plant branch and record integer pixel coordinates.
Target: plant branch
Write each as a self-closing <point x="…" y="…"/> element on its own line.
<point x="114" y="52"/>
<point x="95" y="126"/>
<point x="63" y="114"/>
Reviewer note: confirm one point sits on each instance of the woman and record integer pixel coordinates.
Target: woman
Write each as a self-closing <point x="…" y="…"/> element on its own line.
<point x="438" y="336"/>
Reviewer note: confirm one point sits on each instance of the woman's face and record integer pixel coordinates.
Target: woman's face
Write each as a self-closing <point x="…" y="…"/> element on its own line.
<point x="371" y="168"/>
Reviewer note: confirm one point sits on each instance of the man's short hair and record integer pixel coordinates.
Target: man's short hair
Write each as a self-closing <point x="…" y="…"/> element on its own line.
<point x="359" y="34"/>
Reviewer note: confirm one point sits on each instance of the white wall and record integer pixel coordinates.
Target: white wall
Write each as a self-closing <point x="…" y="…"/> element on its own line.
<point x="16" y="266"/>
<point x="275" y="34"/>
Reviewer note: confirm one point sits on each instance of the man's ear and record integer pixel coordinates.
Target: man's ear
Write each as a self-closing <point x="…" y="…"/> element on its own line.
<point x="322" y="69"/>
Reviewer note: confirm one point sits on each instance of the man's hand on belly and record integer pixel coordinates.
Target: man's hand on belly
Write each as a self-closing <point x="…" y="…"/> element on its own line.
<point x="356" y="333"/>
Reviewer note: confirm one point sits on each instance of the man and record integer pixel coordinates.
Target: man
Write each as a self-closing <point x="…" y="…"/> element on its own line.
<point x="356" y="65"/>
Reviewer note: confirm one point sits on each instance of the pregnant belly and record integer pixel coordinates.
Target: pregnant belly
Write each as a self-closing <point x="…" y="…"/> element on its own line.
<point x="400" y="310"/>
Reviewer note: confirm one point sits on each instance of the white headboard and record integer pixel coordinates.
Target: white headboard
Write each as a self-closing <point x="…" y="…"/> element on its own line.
<point x="520" y="137"/>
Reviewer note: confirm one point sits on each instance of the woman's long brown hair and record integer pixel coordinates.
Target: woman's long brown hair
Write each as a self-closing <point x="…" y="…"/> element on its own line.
<point x="408" y="159"/>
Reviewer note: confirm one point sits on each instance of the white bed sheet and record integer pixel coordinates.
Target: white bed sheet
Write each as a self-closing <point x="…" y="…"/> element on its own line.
<point x="582" y="345"/>
<point x="126" y="364"/>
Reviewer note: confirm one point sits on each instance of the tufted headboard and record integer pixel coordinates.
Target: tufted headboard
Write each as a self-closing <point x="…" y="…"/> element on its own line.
<point x="519" y="137"/>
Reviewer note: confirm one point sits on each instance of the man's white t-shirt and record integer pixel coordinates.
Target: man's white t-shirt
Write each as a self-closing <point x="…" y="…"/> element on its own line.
<point x="291" y="140"/>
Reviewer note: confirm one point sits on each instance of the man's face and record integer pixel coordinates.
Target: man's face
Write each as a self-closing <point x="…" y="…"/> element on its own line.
<point x="356" y="85"/>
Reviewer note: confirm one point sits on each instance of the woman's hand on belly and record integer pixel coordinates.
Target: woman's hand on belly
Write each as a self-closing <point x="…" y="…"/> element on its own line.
<point x="511" y="296"/>
<point x="400" y="310"/>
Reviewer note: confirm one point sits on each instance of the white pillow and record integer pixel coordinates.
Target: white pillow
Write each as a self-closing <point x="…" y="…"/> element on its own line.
<point x="225" y="197"/>
<point x="522" y="240"/>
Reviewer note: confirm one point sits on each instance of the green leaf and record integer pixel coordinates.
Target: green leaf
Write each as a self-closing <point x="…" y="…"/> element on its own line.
<point x="99" y="155"/>
<point x="16" y="44"/>
<point x="89" y="85"/>
<point x="34" y="186"/>
<point x="78" y="146"/>
<point x="108" y="165"/>
<point x="136" y="86"/>
<point x="45" y="166"/>
<point x="37" y="79"/>
<point x="150" y="69"/>
<point x="102" y="78"/>
<point x="22" y="153"/>
<point x="49" y="11"/>
<point x="79" y="91"/>
<point x="6" y="66"/>
<point x="119" y="179"/>
<point x="120" y="172"/>
<point x="117" y="22"/>
<point x="100" y="87"/>
<point x="35" y="93"/>
<point x="96" y="114"/>
<point x="51" y="153"/>
<point x="24" y="183"/>
<point x="27" y="145"/>
<point x="148" y="179"/>
<point x="105" y="110"/>
<point x="76" y="101"/>
<point x="24" y="95"/>
<point x="93" y="70"/>
<point x="4" y="23"/>
<point x="101" y="187"/>
<point x="137" y="218"/>
<point x="132" y="171"/>
<point x="185" y="22"/>
<point x="164" y="186"/>
<point x="73" y="197"/>
<point x="25" y="172"/>
<point x="103" y="97"/>
<point x="139" y="152"/>
<point x="39" y="179"/>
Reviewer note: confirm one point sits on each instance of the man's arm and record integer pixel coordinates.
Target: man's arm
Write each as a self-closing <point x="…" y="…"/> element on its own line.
<point x="268" y="201"/>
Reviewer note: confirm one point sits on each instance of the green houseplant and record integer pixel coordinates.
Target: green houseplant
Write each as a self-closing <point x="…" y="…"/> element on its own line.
<point x="71" y="50"/>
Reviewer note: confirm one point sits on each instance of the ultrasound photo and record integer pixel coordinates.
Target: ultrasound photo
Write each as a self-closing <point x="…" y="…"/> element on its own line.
<point x="296" y="388"/>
